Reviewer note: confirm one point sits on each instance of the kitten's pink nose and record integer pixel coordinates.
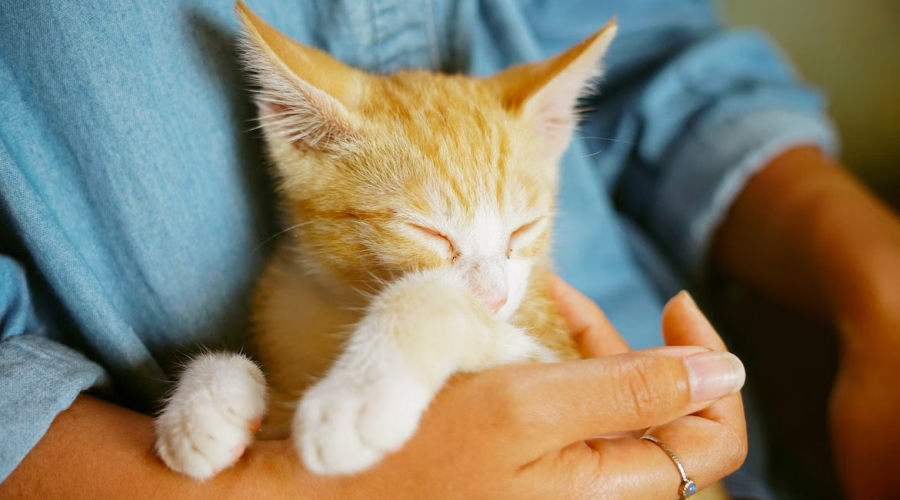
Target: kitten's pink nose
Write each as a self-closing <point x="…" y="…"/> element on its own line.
<point x="495" y="305"/>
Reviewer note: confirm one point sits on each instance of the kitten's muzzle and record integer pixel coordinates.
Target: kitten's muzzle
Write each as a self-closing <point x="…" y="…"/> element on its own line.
<point x="488" y="281"/>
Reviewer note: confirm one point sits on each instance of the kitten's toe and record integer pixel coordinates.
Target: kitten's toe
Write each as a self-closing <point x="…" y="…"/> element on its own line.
<point x="344" y="427"/>
<point x="325" y="432"/>
<point x="200" y="442"/>
<point x="209" y="420"/>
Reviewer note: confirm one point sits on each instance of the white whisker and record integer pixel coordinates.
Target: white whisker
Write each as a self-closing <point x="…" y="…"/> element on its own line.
<point x="610" y="140"/>
<point x="279" y="233"/>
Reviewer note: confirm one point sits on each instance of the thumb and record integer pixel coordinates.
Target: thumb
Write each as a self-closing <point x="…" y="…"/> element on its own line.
<point x="620" y="393"/>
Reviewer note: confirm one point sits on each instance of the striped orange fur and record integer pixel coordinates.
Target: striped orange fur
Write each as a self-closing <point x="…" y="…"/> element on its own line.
<point x="374" y="171"/>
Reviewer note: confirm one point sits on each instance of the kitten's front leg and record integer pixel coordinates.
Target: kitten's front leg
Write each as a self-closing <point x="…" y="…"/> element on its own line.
<point x="212" y="414"/>
<point x="415" y="335"/>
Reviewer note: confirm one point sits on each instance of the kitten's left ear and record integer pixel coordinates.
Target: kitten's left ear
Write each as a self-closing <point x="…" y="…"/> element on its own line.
<point x="546" y="93"/>
<point x="305" y="95"/>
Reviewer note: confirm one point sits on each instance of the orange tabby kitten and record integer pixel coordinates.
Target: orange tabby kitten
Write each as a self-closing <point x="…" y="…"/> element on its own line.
<point x="420" y="208"/>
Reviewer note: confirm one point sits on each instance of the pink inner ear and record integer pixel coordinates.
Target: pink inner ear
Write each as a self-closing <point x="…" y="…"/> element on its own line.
<point x="303" y="125"/>
<point x="554" y="112"/>
<point x="560" y="82"/>
<point x="268" y="110"/>
<point x="554" y="124"/>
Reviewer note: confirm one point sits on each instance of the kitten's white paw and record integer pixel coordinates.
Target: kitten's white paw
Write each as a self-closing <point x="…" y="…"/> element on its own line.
<point x="212" y="416"/>
<point x="345" y="425"/>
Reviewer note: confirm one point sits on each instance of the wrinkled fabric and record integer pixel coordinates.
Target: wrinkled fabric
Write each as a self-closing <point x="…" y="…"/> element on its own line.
<point x="134" y="200"/>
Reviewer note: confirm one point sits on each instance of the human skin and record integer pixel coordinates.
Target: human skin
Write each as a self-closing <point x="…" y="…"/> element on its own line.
<point x="516" y="432"/>
<point x="805" y="233"/>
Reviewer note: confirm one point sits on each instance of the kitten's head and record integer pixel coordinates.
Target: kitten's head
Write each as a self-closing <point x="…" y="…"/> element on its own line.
<point x="385" y="174"/>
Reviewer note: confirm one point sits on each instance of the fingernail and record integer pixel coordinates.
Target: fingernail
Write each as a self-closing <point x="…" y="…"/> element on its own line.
<point x="689" y="298"/>
<point x="714" y="375"/>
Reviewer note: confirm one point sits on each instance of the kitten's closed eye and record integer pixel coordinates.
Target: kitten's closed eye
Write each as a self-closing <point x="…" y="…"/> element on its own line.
<point x="521" y="237"/>
<point x="526" y="233"/>
<point x="438" y="238"/>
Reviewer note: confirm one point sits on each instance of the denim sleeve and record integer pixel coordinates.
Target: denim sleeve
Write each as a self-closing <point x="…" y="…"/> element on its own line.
<point x="39" y="376"/>
<point x="711" y="116"/>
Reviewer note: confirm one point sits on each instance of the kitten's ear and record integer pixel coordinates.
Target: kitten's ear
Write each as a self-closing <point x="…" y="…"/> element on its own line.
<point x="546" y="93"/>
<point x="305" y="95"/>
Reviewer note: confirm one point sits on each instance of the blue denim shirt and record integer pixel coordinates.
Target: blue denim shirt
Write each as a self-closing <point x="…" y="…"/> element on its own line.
<point x="134" y="198"/>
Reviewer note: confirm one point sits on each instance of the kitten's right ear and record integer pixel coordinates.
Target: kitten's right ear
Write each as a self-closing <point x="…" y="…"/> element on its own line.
<point x="305" y="95"/>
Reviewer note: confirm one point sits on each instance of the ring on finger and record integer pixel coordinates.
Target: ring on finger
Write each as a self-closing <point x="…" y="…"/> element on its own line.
<point x="687" y="487"/>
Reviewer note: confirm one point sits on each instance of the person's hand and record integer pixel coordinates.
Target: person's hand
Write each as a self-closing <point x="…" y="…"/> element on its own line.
<point x="528" y="431"/>
<point x="514" y="432"/>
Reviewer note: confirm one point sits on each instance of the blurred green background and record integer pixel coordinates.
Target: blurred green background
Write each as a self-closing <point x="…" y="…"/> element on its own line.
<point x="852" y="51"/>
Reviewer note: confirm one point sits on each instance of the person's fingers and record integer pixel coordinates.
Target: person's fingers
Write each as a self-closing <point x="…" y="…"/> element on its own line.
<point x="546" y="407"/>
<point x="591" y="330"/>
<point x="684" y="324"/>
<point x="708" y="451"/>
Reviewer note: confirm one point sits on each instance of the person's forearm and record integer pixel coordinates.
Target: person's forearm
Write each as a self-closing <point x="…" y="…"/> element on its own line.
<point x="98" y="450"/>
<point x="808" y="234"/>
